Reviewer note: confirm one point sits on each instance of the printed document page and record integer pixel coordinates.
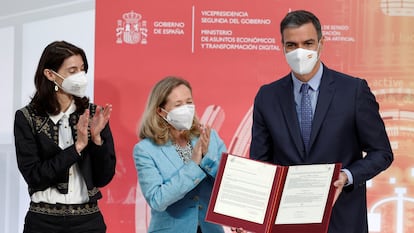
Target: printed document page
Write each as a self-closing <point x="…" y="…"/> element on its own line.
<point x="305" y="194"/>
<point x="245" y="189"/>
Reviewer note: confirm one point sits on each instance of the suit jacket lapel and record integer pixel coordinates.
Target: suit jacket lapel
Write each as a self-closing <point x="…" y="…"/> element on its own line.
<point x="326" y="93"/>
<point x="287" y="102"/>
<point x="171" y="154"/>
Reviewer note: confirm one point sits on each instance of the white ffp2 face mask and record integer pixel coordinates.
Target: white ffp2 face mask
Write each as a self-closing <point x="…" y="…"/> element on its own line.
<point x="181" y="117"/>
<point x="74" y="84"/>
<point x="302" y="61"/>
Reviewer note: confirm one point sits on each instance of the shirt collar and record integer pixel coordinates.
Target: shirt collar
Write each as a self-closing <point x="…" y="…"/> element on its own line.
<point x="314" y="82"/>
<point x="71" y="109"/>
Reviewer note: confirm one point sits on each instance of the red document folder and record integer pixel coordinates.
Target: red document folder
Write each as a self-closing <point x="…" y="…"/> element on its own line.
<point x="267" y="225"/>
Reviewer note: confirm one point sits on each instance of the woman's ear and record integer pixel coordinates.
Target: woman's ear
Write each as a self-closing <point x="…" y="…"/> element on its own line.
<point x="160" y="112"/>
<point x="49" y="74"/>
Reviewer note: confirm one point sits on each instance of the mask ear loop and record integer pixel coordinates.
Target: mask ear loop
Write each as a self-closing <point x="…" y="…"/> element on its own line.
<point x="317" y="49"/>
<point x="57" y="86"/>
<point x="165" y="118"/>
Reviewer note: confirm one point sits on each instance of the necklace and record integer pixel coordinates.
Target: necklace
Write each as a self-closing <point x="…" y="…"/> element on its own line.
<point x="184" y="152"/>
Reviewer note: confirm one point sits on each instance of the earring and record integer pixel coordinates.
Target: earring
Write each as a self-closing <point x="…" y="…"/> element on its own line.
<point x="56" y="88"/>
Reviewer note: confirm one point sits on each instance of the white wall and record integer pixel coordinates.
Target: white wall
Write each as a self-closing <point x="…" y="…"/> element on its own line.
<point x="26" y="27"/>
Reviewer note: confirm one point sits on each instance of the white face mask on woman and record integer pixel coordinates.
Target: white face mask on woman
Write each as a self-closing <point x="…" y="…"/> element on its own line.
<point x="302" y="61"/>
<point x="74" y="84"/>
<point x="181" y="117"/>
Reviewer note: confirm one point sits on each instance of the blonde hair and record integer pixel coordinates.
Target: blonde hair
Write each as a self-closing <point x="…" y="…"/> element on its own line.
<point x="153" y="126"/>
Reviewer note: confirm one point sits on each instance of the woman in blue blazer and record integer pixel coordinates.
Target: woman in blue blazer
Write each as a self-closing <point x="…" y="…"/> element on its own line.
<point x="176" y="160"/>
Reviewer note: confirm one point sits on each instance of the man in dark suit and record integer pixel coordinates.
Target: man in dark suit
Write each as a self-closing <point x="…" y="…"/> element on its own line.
<point x="344" y="127"/>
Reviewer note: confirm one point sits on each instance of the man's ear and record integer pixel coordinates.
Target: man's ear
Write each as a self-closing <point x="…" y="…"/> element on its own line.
<point x="322" y="41"/>
<point x="49" y="75"/>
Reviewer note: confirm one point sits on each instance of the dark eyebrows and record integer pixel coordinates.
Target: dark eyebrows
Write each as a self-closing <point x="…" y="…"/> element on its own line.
<point x="310" y="41"/>
<point x="290" y="43"/>
<point x="304" y="42"/>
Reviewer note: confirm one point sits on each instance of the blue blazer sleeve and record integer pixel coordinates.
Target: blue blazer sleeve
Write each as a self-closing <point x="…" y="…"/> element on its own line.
<point x="164" y="178"/>
<point x="211" y="160"/>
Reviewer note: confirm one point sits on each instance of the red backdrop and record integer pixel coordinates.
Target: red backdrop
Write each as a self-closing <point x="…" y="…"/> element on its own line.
<point x="227" y="50"/>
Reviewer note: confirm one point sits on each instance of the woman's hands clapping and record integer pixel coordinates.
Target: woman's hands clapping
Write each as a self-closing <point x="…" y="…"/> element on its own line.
<point x="96" y="124"/>
<point x="201" y="147"/>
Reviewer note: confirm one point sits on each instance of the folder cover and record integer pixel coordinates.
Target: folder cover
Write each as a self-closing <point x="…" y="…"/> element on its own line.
<point x="267" y="198"/>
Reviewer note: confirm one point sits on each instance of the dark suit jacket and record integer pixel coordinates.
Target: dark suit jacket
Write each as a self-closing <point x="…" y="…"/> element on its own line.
<point x="346" y="123"/>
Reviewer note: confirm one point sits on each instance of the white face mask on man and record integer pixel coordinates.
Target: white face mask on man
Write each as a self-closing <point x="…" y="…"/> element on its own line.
<point x="181" y="117"/>
<point x="302" y="61"/>
<point x="74" y="84"/>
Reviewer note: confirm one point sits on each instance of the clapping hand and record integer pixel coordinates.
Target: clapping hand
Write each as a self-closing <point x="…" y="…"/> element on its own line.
<point x="82" y="131"/>
<point x="98" y="122"/>
<point x="204" y="138"/>
<point x="201" y="147"/>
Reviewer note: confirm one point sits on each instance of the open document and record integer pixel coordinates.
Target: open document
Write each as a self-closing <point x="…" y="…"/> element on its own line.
<point x="263" y="197"/>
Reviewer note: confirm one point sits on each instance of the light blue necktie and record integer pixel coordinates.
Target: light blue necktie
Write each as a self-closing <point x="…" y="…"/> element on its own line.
<point x="306" y="115"/>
